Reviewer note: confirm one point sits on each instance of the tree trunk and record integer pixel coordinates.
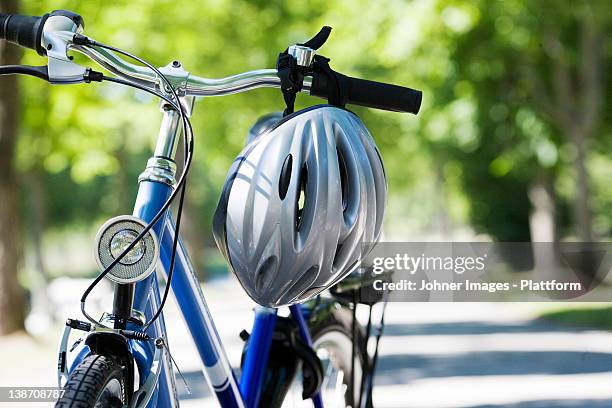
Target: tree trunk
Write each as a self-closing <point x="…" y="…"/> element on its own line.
<point x="582" y="210"/>
<point x="40" y="302"/>
<point x="542" y="225"/>
<point x="442" y="221"/>
<point x="12" y="304"/>
<point x="575" y="105"/>
<point x="542" y="218"/>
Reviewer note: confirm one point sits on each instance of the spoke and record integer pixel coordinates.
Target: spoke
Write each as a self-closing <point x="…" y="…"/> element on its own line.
<point x="328" y="372"/>
<point x="340" y="389"/>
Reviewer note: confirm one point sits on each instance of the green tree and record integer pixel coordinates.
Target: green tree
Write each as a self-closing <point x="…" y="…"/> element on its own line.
<point x="12" y="307"/>
<point x="532" y="70"/>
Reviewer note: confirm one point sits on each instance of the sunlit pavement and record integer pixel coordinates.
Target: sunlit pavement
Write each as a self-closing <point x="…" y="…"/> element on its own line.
<point x="442" y="355"/>
<point x="434" y="355"/>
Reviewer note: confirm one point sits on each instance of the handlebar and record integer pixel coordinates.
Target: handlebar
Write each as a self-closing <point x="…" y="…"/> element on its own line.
<point x="362" y="92"/>
<point x="190" y="84"/>
<point x="23" y="30"/>
<point x="59" y="27"/>
<point x="372" y="94"/>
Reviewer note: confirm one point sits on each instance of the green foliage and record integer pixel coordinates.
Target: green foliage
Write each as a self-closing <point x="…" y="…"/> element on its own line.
<point x="480" y="138"/>
<point x="82" y="137"/>
<point x="489" y="112"/>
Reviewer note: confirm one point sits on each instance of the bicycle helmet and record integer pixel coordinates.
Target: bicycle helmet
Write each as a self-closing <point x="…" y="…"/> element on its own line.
<point x="298" y="203"/>
<point x="263" y="125"/>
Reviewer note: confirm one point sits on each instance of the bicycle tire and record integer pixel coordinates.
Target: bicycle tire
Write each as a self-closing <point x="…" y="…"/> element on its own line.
<point x="98" y="381"/>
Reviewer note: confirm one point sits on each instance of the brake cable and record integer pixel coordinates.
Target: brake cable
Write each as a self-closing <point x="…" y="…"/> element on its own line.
<point x="366" y="365"/>
<point x="355" y="339"/>
<point x="372" y="367"/>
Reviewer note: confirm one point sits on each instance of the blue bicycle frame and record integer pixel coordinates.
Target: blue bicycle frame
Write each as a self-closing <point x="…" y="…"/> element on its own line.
<point x="152" y="194"/>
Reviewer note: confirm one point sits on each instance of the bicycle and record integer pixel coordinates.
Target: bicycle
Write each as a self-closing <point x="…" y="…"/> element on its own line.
<point x="123" y="359"/>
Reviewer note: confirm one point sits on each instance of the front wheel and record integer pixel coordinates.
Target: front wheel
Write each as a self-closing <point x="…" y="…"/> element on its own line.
<point x="98" y="381"/>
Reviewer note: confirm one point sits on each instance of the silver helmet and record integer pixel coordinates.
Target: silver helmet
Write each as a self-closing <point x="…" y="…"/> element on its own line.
<point x="263" y="125"/>
<point x="298" y="203"/>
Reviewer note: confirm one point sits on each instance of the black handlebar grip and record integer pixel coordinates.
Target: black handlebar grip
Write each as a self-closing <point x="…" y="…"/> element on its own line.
<point x="371" y="94"/>
<point x="23" y="30"/>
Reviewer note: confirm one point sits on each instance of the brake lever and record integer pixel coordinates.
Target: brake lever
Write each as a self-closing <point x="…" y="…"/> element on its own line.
<point x="38" y="72"/>
<point x="58" y="32"/>
<point x="319" y="39"/>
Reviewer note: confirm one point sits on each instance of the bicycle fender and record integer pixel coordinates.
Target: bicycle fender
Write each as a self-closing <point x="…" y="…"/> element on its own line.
<point x="117" y="346"/>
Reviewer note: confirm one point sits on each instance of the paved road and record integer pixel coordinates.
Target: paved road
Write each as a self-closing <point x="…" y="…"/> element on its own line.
<point x="433" y="355"/>
<point x="453" y="355"/>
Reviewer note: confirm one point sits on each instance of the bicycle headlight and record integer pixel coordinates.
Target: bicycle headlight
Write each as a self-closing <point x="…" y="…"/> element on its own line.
<point x="114" y="237"/>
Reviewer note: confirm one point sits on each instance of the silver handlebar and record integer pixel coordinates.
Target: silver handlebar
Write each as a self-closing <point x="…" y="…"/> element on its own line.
<point x="185" y="82"/>
<point x="58" y="37"/>
<point x="261" y="78"/>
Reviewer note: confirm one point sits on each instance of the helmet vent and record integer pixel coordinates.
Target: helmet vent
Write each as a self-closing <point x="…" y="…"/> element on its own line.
<point x="303" y="283"/>
<point x="285" y="177"/>
<point x="343" y="180"/>
<point x="266" y="273"/>
<point x="301" y="197"/>
<point x="338" y="257"/>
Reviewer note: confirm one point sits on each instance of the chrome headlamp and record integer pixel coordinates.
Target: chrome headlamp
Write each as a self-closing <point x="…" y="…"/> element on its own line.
<point x="114" y="237"/>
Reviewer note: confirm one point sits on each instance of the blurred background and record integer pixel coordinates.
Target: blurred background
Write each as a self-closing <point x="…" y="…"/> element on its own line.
<point x="512" y="144"/>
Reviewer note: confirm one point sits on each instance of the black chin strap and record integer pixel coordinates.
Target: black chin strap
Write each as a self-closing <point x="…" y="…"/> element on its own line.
<point x="292" y="80"/>
<point x="292" y="75"/>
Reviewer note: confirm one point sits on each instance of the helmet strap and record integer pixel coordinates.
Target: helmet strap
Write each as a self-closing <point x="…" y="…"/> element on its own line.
<point x="292" y="79"/>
